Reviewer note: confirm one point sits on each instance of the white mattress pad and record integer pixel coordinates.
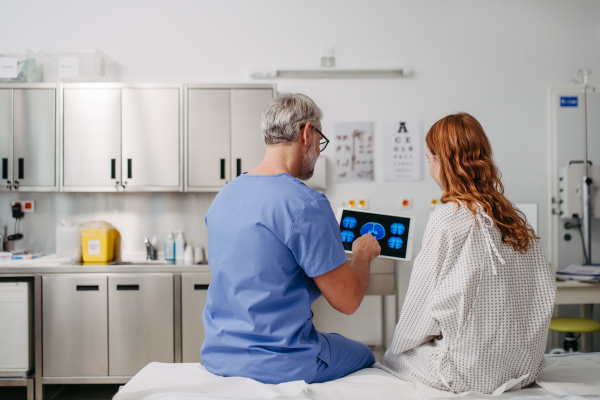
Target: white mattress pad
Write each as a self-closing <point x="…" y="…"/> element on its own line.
<point x="566" y="377"/>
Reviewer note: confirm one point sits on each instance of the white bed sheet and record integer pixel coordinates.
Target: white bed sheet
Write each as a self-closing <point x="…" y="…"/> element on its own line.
<point x="566" y="377"/>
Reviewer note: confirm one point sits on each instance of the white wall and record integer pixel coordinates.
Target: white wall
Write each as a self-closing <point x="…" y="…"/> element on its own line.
<point x="493" y="59"/>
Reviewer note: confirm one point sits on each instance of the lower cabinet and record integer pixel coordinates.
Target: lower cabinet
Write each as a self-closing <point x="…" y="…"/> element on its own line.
<point x="98" y="325"/>
<point x="75" y="326"/>
<point x="194" y="289"/>
<point x="140" y="322"/>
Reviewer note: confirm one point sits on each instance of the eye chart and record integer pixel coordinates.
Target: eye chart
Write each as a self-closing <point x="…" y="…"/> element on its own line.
<point x="353" y="151"/>
<point x="403" y="150"/>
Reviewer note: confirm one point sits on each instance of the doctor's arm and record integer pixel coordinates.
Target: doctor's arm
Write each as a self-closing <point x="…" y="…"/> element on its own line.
<point x="346" y="286"/>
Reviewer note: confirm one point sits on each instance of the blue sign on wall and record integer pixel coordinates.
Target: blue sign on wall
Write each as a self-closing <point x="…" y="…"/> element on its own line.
<point x="568" y="101"/>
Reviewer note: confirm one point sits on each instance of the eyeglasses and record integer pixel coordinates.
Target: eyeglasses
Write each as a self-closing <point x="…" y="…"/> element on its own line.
<point x="323" y="143"/>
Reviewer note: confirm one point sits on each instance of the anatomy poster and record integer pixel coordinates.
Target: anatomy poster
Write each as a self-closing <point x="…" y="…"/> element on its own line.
<point x="353" y="151"/>
<point x="403" y="150"/>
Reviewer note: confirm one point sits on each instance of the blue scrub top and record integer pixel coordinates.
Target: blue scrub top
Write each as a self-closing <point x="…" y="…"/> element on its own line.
<point x="268" y="236"/>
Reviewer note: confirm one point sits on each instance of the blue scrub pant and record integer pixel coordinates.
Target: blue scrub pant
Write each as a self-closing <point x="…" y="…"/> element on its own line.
<point x="341" y="356"/>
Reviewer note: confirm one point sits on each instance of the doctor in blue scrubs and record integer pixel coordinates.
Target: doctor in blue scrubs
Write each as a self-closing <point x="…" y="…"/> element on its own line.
<point x="274" y="247"/>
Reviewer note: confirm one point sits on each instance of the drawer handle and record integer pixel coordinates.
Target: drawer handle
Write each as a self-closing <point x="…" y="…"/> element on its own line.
<point x="5" y="168"/>
<point x="200" y="287"/>
<point x="21" y="168"/>
<point x="128" y="287"/>
<point x="87" y="288"/>
<point x="113" y="168"/>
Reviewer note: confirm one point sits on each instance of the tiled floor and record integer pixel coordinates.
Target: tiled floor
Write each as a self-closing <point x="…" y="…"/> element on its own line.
<point x="64" y="392"/>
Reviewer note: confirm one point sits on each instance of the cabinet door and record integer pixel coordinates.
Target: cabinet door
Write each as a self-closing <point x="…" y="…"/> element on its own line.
<point x="92" y="139"/>
<point x="194" y="288"/>
<point x="6" y="139"/>
<point x="140" y="321"/>
<point x="247" y="144"/>
<point x="75" y="330"/>
<point x="208" y="138"/>
<point x="151" y="138"/>
<point x="34" y="137"/>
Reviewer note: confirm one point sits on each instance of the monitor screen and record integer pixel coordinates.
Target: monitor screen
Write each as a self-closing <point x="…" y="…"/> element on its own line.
<point x="392" y="232"/>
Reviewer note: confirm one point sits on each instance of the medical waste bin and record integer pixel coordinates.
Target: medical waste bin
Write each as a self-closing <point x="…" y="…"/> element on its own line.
<point x="98" y="242"/>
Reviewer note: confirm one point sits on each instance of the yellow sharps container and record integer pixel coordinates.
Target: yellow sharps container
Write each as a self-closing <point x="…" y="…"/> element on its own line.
<point x="98" y="242"/>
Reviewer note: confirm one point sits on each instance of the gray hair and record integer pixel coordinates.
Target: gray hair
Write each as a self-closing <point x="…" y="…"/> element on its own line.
<point x="283" y="116"/>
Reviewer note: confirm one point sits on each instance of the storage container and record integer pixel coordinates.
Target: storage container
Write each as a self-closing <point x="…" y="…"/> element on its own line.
<point x="68" y="240"/>
<point x="20" y="66"/>
<point x="89" y="65"/>
<point x="98" y="242"/>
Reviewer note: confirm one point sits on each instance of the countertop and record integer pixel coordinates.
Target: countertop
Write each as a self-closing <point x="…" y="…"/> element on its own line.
<point x="53" y="265"/>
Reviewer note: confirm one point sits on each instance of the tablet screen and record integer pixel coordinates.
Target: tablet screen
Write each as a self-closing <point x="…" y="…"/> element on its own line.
<point x="390" y="231"/>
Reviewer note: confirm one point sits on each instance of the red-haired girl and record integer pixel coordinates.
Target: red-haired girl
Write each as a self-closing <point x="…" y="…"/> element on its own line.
<point x="481" y="292"/>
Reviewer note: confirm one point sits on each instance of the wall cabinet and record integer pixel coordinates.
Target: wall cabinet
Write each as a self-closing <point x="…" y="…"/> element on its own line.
<point x="91" y="138"/>
<point x="223" y="135"/>
<point x="150" y="138"/>
<point x="194" y="289"/>
<point x="128" y="137"/>
<point x="119" y="137"/>
<point x="28" y="126"/>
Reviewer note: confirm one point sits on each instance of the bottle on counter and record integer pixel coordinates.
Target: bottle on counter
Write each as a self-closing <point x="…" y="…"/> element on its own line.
<point x="68" y="240"/>
<point x="188" y="256"/>
<point x="170" y="247"/>
<point x="180" y="247"/>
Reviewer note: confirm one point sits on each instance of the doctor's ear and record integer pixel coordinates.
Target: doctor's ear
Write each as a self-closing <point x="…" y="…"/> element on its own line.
<point x="305" y="133"/>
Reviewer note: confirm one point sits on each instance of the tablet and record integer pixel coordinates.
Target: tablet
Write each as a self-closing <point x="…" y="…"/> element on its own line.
<point x="393" y="232"/>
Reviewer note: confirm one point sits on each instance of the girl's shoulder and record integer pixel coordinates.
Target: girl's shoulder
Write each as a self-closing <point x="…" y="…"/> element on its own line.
<point x="454" y="217"/>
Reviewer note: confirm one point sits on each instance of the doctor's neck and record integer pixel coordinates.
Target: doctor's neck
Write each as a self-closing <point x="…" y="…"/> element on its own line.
<point x="281" y="158"/>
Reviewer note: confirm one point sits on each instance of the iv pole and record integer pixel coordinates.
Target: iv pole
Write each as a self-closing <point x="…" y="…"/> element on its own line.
<point x="586" y="181"/>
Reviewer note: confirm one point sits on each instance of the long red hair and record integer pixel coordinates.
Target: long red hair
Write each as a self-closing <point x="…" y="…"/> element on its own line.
<point x="468" y="175"/>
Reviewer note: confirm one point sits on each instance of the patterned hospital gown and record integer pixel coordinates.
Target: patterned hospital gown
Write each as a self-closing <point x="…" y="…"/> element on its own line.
<point x="477" y="312"/>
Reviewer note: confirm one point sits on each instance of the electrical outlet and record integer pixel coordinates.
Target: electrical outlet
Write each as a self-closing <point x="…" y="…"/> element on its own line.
<point x="362" y="203"/>
<point x="26" y="205"/>
<point x="435" y="204"/>
<point x="406" y="203"/>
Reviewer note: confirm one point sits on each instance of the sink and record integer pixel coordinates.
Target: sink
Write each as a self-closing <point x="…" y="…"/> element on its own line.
<point x="148" y="262"/>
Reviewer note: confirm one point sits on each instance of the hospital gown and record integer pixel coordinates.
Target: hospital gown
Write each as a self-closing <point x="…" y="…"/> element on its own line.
<point x="477" y="312"/>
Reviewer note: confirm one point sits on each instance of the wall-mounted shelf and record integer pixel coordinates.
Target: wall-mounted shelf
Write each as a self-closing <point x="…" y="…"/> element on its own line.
<point x="330" y="73"/>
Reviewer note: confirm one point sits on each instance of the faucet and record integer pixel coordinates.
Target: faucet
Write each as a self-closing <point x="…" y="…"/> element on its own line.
<point x="150" y="250"/>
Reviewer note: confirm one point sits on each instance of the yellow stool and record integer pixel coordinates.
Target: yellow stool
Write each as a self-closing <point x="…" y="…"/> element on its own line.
<point x="571" y="326"/>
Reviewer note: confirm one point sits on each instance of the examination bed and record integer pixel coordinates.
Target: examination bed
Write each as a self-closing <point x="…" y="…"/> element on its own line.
<point x="573" y="376"/>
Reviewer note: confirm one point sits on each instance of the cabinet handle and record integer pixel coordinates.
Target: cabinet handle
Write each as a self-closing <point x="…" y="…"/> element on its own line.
<point x="222" y="168"/>
<point x="8" y="185"/>
<point x="128" y="287"/>
<point x="200" y="287"/>
<point x="113" y="168"/>
<point x="21" y="168"/>
<point x="87" y="288"/>
<point x="5" y="168"/>
<point x="129" y="168"/>
<point x="238" y="163"/>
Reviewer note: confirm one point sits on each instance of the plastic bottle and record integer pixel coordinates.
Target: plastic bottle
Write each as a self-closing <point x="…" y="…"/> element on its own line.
<point x="179" y="247"/>
<point x="188" y="257"/>
<point x="170" y="247"/>
<point x="68" y="240"/>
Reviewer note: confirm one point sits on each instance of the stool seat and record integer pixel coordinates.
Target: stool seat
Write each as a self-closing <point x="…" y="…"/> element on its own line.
<point x="574" y="325"/>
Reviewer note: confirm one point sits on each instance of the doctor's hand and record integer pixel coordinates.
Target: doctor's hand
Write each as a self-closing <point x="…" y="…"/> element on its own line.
<point x="366" y="247"/>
